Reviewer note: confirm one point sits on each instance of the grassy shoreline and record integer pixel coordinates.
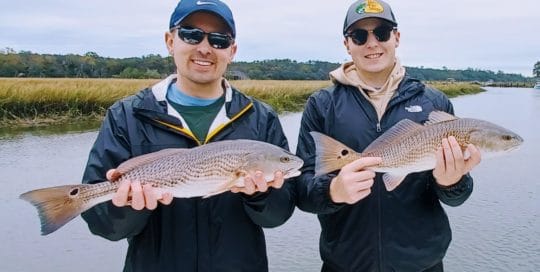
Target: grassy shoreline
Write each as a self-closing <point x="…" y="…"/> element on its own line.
<point x="34" y="102"/>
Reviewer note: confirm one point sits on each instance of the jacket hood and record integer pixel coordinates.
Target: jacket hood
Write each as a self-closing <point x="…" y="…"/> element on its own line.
<point x="347" y="74"/>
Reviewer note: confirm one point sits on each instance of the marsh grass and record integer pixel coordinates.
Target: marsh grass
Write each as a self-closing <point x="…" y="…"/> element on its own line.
<point x="51" y="100"/>
<point x="453" y="89"/>
<point x="282" y="95"/>
<point x="36" y="101"/>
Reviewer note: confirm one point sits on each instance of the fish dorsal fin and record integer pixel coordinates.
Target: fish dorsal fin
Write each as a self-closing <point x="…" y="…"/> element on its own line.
<point x="147" y="158"/>
<point x="394" y="134"/>
<point x="438" y="117"/>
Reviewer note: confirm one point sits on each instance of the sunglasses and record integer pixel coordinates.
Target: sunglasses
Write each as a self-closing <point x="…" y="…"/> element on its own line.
<point x="360" y="36"/>
<point x="193" y="35"/>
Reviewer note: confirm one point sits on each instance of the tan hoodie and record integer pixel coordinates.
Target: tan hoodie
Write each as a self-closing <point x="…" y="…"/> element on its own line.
<point x="379" y="98"/>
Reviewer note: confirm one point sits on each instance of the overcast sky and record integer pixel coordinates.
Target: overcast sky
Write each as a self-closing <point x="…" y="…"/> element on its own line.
<point x="480" y="34"/>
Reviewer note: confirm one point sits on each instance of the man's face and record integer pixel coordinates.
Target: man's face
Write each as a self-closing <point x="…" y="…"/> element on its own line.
<point x="200" y="64"/>
<point x="373" y="57"/>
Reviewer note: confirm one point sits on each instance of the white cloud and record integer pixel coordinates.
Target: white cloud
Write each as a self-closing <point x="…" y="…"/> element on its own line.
<point x="480" y="34"/>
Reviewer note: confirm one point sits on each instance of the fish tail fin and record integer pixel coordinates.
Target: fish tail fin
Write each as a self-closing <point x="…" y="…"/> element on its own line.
<point x="331" y="155"/>
<point x="56" y="205"/>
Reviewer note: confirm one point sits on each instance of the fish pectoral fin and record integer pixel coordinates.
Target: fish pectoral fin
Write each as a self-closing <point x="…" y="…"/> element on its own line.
<point x="229" y="184"/>
<point x="392" y="181"/>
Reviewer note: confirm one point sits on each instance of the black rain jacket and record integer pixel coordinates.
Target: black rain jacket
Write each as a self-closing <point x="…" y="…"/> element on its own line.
<point x="220" y="233"/>
<point x="402" y="230"/>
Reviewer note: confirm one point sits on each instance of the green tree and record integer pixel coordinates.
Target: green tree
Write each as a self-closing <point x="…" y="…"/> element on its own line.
<point x="536" y="70"/>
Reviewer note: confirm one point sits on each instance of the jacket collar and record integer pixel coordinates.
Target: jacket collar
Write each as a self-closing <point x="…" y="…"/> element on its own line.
<point x="163" y="114"/>
<point x="160" y="93"/>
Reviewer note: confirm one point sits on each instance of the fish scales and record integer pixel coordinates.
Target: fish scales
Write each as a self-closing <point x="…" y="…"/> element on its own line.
<point x="204" y="171"/>
<point x="423" y="142"/>
<point x="409" y="147"/>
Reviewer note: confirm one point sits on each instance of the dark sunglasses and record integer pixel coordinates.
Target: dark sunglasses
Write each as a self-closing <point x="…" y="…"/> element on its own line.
<point x="360" y="36"/>
<point x="193" y="35"/>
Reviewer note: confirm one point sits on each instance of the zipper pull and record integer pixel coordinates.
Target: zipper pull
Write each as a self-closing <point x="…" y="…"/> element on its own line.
<point x="379" y="127"/>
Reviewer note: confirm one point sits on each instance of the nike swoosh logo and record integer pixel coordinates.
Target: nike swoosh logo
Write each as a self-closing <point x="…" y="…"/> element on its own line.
<point x="205" y="3"/>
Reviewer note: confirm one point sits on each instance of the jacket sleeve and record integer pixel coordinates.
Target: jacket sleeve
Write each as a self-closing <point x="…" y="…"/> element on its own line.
<point x="312" y="193"/>
<point x="456" y="194"/>
<point x="274" y="207"/>
<point x="109" y="150"/>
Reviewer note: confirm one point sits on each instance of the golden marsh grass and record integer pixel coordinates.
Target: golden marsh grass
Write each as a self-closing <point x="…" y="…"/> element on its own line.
<point x="453" y="89"/>
<point x="35" y="101"/>
<point x="49" y="99"/>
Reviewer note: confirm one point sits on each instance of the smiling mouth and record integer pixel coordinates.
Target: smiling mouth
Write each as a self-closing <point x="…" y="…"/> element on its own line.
<point x="374" y="56"/>
<point x="202" y="62"/>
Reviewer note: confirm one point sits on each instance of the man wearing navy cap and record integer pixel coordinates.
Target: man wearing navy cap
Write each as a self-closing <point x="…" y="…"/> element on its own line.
<point x="364" y="226"/>
<point x="192" y="107"/>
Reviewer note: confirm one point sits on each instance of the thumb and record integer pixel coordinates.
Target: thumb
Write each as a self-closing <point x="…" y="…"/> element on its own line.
<point x="364" y="162"/>
<point x="113" y="174"/>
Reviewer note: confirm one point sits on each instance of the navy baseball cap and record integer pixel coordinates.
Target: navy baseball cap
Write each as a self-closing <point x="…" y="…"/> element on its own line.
<point x="187" y="7"/>
<point x="363" y="9"/>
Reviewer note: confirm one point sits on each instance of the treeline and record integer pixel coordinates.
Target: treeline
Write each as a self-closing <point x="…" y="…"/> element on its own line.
<point x="469" y="74"/>
<point x="281" y="69"/>
<point x="91" y="65"/>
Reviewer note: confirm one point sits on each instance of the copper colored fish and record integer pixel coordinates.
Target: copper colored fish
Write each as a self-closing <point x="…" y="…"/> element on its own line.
<point x="205" y="171"/>
<point x="410" y="147"/>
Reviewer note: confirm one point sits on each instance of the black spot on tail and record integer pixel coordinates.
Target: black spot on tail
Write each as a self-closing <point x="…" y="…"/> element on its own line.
<point x="74" y="192"/>
<point x="344" y="153"/>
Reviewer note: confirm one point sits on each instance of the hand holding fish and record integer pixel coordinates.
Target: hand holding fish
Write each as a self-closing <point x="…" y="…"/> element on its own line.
<point x="451" y="162"/>
<point x="354" y="181"/>
<point x="258" y="184"/>
<point x="142" y="196"/>
<point x="202" y="171"/>
<point x="409" y="147"/>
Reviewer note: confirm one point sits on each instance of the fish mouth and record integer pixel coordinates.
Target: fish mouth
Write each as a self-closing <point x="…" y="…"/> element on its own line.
<point x="514" y="148"/>
<point x="290" y="173"/>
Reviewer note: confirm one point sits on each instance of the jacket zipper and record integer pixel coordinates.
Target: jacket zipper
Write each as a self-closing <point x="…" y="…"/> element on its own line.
<point x="379" y="215"/>
<point x="379" y="195"/>
<point x="393" y="101"/>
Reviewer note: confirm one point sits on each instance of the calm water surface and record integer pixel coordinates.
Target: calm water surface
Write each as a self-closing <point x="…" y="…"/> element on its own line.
<point x="497" y="229"/>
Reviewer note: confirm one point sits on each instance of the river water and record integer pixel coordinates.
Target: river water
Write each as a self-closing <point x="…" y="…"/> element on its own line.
<point x="497" y="229"/>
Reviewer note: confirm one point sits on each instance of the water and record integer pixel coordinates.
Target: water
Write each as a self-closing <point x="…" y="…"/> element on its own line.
<point x="497" y="229"/>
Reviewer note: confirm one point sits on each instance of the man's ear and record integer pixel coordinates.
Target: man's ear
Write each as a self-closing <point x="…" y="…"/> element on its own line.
<point x="346" y="44"/>
<point x="169" y="42"/>
<point x="234" y="48"/>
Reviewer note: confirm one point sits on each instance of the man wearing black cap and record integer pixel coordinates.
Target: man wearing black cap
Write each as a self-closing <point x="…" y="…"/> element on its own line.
<point x="364" y="226"/>
<point x="190" y="108"/>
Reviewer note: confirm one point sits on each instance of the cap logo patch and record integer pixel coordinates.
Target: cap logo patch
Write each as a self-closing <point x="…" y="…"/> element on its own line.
<point x="370" y="6"/>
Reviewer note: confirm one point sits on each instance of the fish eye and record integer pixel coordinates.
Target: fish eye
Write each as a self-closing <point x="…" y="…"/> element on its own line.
<point x="284" y="159"/>
<point x="507" y="137"/>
